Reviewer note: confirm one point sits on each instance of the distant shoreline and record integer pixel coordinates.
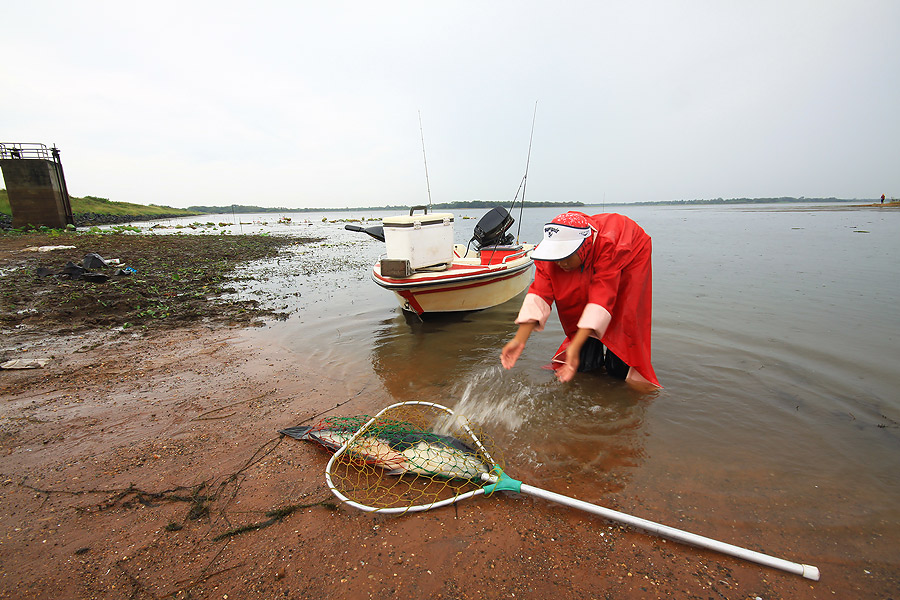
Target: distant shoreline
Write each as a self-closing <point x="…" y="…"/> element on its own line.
<point x="97" y="217"/>
<point x="487" y="204"/>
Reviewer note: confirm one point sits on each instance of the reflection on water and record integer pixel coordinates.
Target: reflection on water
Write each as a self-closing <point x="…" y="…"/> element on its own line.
<point x="776" y="334"/>
<point x="587" y="429"/>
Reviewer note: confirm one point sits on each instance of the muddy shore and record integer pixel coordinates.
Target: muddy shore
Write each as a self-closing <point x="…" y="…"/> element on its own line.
<point x="144" y="462"/>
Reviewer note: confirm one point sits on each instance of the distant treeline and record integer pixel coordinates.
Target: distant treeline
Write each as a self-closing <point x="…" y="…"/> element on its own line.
<point x="477" y="204"/>
<point x="95" y="209"/>
<point x="241" y="208"/>
<point x="733" y="201"/>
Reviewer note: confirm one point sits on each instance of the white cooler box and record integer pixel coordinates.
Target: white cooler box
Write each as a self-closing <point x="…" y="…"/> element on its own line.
<point x="424" y="240"/>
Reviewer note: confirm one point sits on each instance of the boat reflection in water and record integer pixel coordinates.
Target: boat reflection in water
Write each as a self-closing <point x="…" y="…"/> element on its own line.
<point x="585" y="437"/>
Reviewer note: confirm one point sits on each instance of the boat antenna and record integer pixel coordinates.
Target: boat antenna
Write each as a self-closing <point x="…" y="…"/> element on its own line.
<point x="525" y="178"/>
<point x="425" y="159"/>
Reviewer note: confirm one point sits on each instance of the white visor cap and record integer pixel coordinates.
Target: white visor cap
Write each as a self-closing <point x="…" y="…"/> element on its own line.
<point x="560" y="241"/>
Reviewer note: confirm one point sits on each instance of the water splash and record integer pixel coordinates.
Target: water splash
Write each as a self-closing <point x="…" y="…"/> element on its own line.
<point x="493" y="399"/>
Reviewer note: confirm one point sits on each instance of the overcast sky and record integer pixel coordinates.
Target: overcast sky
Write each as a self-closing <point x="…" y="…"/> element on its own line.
<point x="316" y="104"/>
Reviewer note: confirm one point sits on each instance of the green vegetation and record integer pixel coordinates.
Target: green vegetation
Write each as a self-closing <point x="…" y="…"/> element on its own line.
<point x="170" y="281"/>
<point x="105" y="206"/>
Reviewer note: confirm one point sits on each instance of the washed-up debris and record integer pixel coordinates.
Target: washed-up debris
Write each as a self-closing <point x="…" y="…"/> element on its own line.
<point x="73" y="271"/>
<point x="25" y="363"/>
<point x="46" y="248"/>
<point x="92" y="260"/>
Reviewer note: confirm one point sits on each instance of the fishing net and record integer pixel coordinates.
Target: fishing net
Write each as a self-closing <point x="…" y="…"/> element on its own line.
<point x="411" y="456"/>
<point x="415" y="456"/>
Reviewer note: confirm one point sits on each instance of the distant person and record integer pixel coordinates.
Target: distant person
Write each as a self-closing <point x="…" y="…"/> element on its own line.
<point x="882" y="198"/>
<point x="598" y="271"/>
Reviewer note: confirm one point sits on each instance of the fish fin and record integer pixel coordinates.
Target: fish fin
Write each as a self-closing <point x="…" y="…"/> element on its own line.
<point x="299" y="433"/>
<point x="398" y="472"/>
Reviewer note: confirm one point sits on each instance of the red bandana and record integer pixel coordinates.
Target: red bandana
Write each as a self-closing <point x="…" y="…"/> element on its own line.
<point x="572" y="219"/>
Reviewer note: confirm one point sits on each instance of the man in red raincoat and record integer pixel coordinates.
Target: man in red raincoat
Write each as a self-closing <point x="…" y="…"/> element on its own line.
<point x="597" y="269"/>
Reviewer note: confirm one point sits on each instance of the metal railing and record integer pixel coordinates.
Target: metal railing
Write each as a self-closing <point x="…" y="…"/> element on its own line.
<point x="28" y="150"/>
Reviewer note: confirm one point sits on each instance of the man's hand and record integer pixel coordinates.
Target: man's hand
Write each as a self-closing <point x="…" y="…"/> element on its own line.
<point x="567" y="371"/>
<point x="573" y="355"/>
<point x="511" y="353"/>
<point x="513" y="348"/>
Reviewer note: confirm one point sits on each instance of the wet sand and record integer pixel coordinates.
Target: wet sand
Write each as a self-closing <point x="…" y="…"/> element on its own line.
<point x="149" y="466"/>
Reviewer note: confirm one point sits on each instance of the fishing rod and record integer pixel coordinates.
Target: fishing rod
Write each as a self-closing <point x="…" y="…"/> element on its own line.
<point x="524" y="183"/>
<point x="425" y="160"/>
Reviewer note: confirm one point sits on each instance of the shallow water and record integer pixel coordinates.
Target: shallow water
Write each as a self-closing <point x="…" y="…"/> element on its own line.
<point x="776" y="336"/>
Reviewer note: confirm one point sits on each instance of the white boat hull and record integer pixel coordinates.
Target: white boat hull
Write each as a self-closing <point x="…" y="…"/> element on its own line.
<point x="465" y="285"/>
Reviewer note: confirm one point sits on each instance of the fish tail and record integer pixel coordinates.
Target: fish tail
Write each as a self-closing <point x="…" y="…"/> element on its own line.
<point x="299" y="433"/>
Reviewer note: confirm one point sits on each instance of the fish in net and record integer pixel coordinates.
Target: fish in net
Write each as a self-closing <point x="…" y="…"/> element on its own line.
<point x="417" y="457"/>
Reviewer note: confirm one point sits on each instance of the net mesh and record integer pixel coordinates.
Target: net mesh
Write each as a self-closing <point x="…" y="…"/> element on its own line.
<point x="411" y="455"/>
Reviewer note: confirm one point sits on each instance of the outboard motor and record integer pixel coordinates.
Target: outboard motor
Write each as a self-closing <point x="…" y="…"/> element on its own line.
<point x="375" y="232"/>
<point x="491" y="229"/>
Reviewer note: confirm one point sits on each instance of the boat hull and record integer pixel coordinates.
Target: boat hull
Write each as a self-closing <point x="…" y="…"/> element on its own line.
<point x="466" y="285"/>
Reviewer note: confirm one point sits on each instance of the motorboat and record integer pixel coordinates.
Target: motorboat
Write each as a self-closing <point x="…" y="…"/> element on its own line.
<point x="429" y="273"/>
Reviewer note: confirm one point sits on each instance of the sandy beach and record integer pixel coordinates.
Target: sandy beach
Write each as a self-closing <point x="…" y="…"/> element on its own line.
<point x="150" y="467"/>
<point x="147" y="464"/>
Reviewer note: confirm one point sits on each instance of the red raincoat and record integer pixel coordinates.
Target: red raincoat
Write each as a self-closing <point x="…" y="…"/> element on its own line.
<point x="611" y="293"/>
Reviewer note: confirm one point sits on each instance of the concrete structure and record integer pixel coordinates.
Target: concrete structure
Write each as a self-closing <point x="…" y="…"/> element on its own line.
<point x="36" y="185"/>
